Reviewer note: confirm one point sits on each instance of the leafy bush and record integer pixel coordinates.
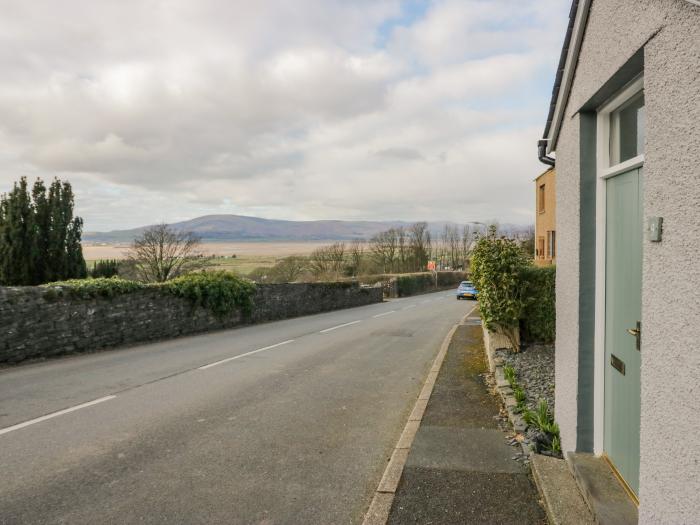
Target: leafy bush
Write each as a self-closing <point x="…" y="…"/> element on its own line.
<point x="414" y="283"/>
<point x="537" y="292"/>
<point x="220" y="292"/>
<point x="496" y="268"/>
<point x="90" y="288"/>
<point x="105" y="268"/>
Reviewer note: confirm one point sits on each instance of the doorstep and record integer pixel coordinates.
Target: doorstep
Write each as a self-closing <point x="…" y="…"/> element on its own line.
<point x="561" y="497"/>
<point x="603" y="492"/>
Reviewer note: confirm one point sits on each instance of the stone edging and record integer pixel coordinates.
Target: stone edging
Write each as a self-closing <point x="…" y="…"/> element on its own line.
<point x="506" y="393"/>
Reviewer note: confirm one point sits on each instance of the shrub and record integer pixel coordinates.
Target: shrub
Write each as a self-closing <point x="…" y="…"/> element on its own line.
<point x="220" y="292"/>
<point x="537" y="291"/>
<point x="451" y="278"/>
<point x="90" y="288"/>
<point x="105" y="268"/>
<point x="496" y="268"/>
<point x="412" y="284"/>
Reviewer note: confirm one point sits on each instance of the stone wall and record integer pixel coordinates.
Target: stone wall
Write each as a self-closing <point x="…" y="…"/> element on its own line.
<point x="34" y="324"/>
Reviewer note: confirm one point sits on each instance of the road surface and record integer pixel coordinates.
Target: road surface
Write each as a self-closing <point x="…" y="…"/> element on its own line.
<point x="284" y="422"/>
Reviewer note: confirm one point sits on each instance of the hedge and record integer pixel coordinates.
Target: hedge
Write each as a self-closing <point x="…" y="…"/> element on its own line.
<point x="414" y="283"/>
<point x="537" y="292"/>
<point x="220" y="292"/>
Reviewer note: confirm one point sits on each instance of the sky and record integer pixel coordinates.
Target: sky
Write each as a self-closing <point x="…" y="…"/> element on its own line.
<point x="162" y="110"/>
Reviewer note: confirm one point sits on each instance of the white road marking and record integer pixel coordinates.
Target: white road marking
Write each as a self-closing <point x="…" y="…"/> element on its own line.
<point x="339" y="326"/>
<point x="55" y="414"/>
<point x="385" y="313"/>
<point x="426" y="301"/>
<point x="244" y="355"/>
<point x="409" y="306"/>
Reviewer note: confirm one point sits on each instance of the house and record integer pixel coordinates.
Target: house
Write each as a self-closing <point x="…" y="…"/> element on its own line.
<point x="545" y="219"/>
<point x="624" y="133"/>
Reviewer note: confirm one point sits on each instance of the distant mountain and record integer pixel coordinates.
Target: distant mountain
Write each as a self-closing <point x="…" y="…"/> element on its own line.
<point x="242" y="228"/>
<point x="214" y="228"/>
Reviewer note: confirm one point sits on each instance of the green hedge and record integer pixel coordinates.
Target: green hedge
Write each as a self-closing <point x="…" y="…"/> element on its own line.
<point x="220" y="292"/>
<point x="414" y="283"/>
<point x="537" y="292"/>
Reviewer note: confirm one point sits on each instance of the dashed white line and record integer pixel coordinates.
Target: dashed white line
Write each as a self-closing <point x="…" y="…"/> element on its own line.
<point x="339" y="326"/>
<point x="244" y="355"/>
<point x="55" y="414"/>
<point x="409" y="306"/>
<point x="385" y="313"/>
<point x="426" y="301"/>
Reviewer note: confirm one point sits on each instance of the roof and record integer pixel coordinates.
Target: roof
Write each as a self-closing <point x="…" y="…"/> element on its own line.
<point x="578" y="16"/>
<point x="560" y="67"/>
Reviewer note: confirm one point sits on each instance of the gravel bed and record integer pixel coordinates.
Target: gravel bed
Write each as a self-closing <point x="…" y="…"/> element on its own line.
<point x="534" y="367"/>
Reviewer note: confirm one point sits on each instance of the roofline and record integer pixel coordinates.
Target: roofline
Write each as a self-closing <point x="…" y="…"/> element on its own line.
<point x="578" y="16"/>
<point x="553" y="168"/>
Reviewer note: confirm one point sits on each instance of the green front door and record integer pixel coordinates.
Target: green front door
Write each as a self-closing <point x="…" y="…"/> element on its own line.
<point x="623" y="285"/>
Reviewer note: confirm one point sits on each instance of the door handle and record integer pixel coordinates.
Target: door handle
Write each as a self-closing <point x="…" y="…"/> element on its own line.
<point x="637" y="333"/>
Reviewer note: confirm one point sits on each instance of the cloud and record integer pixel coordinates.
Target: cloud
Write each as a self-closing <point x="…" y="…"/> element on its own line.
<point x="311" y="109"/>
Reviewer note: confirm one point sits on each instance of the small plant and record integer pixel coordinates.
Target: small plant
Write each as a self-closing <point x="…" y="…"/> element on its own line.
<point x="509" y="374"/>
<point x="520" y="399"/>
<point x="542" y="419"/>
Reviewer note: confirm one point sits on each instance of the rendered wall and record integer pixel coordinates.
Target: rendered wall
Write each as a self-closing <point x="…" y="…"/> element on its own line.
<point x="33" y="324"/>
<point x="668" y="31"/>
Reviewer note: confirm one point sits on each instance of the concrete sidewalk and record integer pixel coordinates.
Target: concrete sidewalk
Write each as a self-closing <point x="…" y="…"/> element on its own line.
<point x="459" y="468"/>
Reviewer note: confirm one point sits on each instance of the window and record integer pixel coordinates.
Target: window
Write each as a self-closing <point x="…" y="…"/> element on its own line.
<point x="627" y="130"/>
<point x="540" y="247"/>
<point x="540" y="205"/>
<point x="551" y="244"/>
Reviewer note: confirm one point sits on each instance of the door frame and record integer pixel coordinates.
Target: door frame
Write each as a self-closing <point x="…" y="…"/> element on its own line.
<point x="603" y="172"/>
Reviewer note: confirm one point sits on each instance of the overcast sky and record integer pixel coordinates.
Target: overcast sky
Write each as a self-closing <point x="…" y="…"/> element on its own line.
<point x="163" y="110"/>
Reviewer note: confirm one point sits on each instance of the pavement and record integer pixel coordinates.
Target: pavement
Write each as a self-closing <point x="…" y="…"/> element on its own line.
<point x="460" y="468"/>
<point x="285" y="422"/>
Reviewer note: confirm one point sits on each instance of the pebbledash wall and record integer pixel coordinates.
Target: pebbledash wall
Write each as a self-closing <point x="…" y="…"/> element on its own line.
<point x="667" y="35"/>
<point x="34" y="324"/>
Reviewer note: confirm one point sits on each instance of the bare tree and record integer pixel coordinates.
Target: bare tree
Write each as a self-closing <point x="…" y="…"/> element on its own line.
<point x="161" y="253"/>
<point x="384" y="247"/>
<point x="420" y="245"/>
<point x="321" y="261"/>
<point x="357" y="250"/>
<point x="289" y="269"/>
<point x="328" y="260"/>
<point x="403" y="249"/>
<point x="451" y="241"/>
<point x="467" y="240"/>
<point x="337" y="255"/>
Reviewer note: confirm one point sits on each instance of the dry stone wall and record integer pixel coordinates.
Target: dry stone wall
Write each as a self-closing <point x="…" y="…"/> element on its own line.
<point x="34" y="323"/>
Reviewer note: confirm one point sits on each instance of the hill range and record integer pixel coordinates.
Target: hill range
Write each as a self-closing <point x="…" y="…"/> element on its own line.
<point x="212" y="228"/>
<point x="241" y="228"/>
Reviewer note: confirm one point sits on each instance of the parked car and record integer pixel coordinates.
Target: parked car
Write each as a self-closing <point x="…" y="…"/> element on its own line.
<point x="466" y="290"/>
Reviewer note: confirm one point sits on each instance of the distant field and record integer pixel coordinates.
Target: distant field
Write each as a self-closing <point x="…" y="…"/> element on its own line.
<point x="249" y="255"/>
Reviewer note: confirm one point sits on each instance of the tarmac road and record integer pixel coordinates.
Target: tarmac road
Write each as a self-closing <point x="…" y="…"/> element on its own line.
<point x="284" y="422"/>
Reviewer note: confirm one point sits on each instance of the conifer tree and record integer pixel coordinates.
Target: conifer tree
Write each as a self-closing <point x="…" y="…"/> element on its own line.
<point x="17" y="239"/>
<point x="39" y="237"/>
